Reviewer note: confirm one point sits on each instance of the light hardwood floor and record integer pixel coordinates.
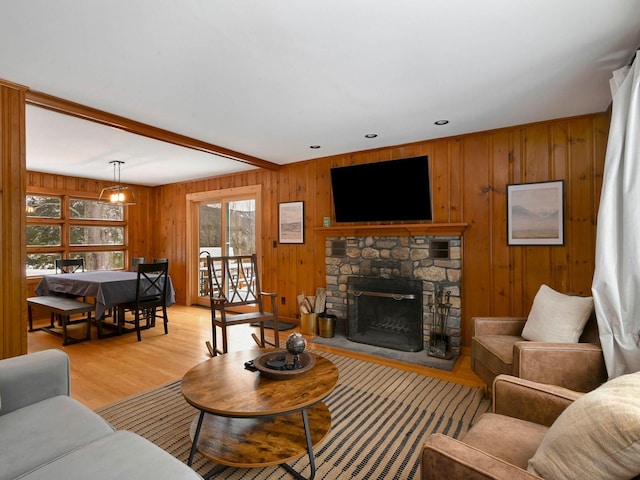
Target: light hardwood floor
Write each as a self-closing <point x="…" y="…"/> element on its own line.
<point x="110" y="369"/>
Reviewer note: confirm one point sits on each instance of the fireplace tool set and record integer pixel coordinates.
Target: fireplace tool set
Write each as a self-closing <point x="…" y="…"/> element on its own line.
<point x="438" y="337"/>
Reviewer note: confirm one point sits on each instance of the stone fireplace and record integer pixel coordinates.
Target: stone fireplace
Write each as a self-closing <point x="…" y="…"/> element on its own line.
<point x="390" y="280"/>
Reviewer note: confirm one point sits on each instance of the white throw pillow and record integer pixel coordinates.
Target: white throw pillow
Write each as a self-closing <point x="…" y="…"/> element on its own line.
<point x="556" y="317"/>
<point x="596" y="437"/>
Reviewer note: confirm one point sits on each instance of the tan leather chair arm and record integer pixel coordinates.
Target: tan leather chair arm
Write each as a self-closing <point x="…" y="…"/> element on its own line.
<point x="576" y="366"/>
<point x="444" y="457"/>
<point x="497" y="325"/>
<point x="530" y="401"/>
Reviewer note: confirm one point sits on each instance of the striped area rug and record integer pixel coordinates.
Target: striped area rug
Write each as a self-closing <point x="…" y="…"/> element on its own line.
<point x="381" y="416"/>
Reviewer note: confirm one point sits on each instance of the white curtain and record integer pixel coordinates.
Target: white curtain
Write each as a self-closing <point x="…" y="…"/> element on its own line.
<point x="616" y="282"/>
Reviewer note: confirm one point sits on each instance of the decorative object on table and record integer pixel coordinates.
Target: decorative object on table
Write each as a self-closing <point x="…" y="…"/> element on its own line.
<point x="281" y="365"/>
<point x="535" y="213"/>
<point x="296" y="343"/>
<point x="438" y="337"/>
<point x="310" y="306"/>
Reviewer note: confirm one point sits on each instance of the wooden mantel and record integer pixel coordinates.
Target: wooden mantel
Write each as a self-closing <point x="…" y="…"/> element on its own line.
<point x="414" y="229"/>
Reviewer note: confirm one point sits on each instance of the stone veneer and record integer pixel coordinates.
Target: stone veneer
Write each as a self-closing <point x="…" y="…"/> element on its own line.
<point x="397" y="257"/>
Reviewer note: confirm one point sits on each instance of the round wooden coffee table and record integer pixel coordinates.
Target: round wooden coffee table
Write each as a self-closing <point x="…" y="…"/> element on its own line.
<point x="247" y="420"/>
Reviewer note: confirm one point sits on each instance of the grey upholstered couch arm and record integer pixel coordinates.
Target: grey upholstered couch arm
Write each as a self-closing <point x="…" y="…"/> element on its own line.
<point x="28" y="379"/>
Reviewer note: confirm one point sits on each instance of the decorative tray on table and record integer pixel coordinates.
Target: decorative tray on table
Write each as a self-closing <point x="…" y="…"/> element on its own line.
<point x="282" y="365"/>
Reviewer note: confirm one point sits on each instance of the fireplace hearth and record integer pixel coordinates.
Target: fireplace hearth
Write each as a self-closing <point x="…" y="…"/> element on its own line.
<point x="432" y="262"/>
<point x="385" y="312"/>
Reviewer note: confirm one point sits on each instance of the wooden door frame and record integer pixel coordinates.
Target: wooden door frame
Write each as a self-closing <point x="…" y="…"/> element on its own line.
<point x="193" y="201"/>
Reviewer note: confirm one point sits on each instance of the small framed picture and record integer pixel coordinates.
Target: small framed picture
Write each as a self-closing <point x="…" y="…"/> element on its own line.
<point x="535" y="213"/>
<point x="291" y="222"/>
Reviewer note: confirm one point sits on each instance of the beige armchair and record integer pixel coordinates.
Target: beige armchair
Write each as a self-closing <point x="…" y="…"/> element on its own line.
<point x="545" y="431"/>
<point x="497" y="347"/>
<point x="500" y="444"/>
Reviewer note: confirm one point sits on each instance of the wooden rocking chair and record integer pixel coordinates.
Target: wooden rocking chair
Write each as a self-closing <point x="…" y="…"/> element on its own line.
<point x="234" y="282"/>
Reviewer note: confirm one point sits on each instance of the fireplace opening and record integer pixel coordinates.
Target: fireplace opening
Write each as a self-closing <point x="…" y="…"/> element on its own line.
<point x="385" y="312"/>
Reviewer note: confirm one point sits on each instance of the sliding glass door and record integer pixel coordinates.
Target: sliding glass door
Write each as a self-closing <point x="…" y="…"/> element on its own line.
<point x="225" y="223"/>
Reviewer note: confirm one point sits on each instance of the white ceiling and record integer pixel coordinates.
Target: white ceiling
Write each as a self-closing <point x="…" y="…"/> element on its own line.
<point x="271" y="78"/>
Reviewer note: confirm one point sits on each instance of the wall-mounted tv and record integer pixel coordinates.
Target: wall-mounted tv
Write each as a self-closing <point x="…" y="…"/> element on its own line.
<point x="395" y="190"/>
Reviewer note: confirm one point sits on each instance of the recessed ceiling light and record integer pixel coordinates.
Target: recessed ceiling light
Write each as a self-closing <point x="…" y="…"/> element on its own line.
<point x="371" y="135"/>
<point x="441" y="122"/>
<point x="314" y="146"/>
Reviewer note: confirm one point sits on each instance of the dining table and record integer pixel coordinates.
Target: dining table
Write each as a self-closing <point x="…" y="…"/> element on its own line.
<point x="110" y="288"/>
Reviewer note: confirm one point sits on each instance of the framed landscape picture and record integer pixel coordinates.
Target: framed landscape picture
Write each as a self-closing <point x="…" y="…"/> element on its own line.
<point x="535" y="213"/>
<point x="291" y="222"/>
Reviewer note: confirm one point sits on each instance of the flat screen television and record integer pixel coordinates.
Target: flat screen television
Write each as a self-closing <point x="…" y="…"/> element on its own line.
<point x="395" y="190"/>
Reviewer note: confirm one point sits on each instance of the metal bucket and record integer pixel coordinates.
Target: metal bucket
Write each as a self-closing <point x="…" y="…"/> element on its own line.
<point x="326" y="325"/>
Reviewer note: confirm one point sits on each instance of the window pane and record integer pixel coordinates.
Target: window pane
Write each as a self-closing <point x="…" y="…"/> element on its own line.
<point x="209" y="232"/>
<point x="43" y="235"/>
<point x="101" y="260"/>
<point x="41" y="263"/>
<point x="92" y="210"/>
<point x="241" y="227"/>
<point x="83" y="235"/>
<point x="43" y="207"/>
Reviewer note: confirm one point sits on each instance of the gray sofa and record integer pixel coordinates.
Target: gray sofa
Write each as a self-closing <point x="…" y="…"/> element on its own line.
<point x="46" y="434"/>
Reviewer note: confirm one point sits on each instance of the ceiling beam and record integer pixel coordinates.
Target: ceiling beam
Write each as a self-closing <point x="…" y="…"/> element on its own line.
<point x="67" y="107"/>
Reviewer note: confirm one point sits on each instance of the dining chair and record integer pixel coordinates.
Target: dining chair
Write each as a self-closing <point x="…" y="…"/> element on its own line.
<point x="135" y="261"/>
<point x="69" y="265"/>
<point x="160" y="260"/>
<point x="151" y="296"/>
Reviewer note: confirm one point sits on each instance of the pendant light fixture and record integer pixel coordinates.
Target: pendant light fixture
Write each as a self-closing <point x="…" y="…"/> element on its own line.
<point x="118" y="194"/>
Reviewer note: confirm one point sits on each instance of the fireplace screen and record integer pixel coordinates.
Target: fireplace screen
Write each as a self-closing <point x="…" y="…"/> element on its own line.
<point x="385" y="312"/>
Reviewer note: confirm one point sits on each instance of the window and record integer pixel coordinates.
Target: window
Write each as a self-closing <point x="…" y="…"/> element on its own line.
<point x="68" y="227"/>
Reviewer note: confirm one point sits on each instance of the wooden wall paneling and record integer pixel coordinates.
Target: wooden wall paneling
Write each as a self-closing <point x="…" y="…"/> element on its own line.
<point x="536" y="168"/>
<point x="288" y="285"/>
<point x="583" y="234"/>
<point x="307" y="259"/>
<point x="475" y="176"/>
<point x="456" y="181"/>
<point x="406" y="151"/>
<point x="138" y="239"/>
<point x="501" y="271"/>
<point x="440" y="181"/>
<point x="305" y="189"/>
<point x="269" y="271"/>
<point x="561" y="170"/>
<point x="298" y="281"/>
<point x="13" y="290"/>
<point x="519" y="302"/>
<point x="178" y="251"/>
<point x="169" y="235"/>
<point x="323" y="208"/>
